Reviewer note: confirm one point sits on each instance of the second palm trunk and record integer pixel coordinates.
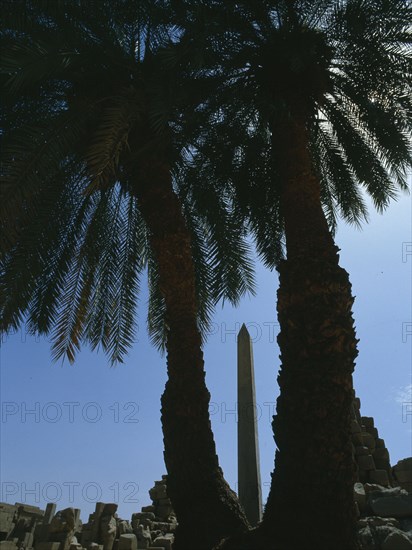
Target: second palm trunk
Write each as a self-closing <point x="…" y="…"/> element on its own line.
<point x="311" y="504"/>
<point x="203" y="501"/>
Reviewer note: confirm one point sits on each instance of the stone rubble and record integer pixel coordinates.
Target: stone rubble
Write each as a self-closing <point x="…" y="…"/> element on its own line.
<point x="24" y="527"/>
<point x="382" y="494"/>
<point x="369" y="451"/>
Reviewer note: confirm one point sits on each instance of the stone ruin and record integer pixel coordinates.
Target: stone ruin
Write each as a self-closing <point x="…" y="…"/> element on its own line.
<point x="372" y="457"/>
<point x="24" y="527"/>
<point x="382" y="494"/>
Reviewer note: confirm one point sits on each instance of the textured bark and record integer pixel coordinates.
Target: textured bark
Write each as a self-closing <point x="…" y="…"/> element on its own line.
<point x="310" y="504"/>
<point x="202" y="499"/>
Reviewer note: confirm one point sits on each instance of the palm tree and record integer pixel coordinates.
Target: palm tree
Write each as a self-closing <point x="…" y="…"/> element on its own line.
<point x="315" y="110"/>
<point x="94" y="137"/>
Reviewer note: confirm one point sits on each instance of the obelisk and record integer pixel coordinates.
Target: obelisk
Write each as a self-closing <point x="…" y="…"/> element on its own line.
<point x="249" y="487"/>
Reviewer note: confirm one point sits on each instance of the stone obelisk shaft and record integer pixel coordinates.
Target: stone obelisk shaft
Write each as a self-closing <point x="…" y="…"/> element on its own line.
<point x="249" y="486"/>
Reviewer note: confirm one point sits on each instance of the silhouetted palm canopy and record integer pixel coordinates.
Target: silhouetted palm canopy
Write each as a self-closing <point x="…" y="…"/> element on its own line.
<point x="89" y="90"/>
<point x="315" y="110"/>
<point x="296" y="109"/>
<point x="345" y="69"/>
<point x="97" y="126"/>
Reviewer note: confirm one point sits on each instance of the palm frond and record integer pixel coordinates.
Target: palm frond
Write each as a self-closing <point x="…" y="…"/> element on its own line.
<point x="157" y="324"/>
<point x="109" y="140"/>
<point x="361" y="156"/>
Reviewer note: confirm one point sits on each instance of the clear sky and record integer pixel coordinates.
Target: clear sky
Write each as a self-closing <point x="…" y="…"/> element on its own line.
<point x="80" y="434"/>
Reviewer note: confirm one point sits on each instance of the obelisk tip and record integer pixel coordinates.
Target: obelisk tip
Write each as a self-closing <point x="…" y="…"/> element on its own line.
<point x="243" y="330"/>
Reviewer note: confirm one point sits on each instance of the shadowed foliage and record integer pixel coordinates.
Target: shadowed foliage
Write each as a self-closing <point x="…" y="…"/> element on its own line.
<point x="314" y="113"/>
<point x="98" y="98"/>
<point x="149" y="135"/>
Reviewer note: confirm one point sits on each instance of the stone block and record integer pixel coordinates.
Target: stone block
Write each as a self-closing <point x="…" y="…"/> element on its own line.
<point x="359" y="495"/>
<point x="94" y="521"/>
<point x="362" y="450"/>
<point x="355" y="428"/>
<point x="127" y="542"/>
<point x="27" y="540"/>
<point x="6" y="521"/>
<point x="381" y="452"/>
<point x="164" y="526"/>
<point x="373" y="432"/>
<point x="404" y="464"/>
<point x="406" y="525"/>
<point x="9" y="508"/>
<point x="164" y="512"/>
<point x="49" y="512"/>
<point x="380" y="443"/>
<point x="144" y="515"/>
<point x="403" y="476"/>
<point x="366" y="462"/>
<point x="397" y="541"/>
<point x="143" y="518"/>
<point x="382" y="464"/>
<point x="380" y="477"/>
<point x="150" y="508"/>
<point x="41" y="533"/>
<point x="86" y="537"/>
<point x="353" y="411"/>
<point x="110" y="509"/>
<point x="164" y="541"/>
<point x="7" y="545"/>
<point x="407" y="486"/>
<point x="399" y="506"/>
<point x="158" y="491"/>
<point x="368" y="421"/>
<point x="28" y="510"/>
<point x="124" y="527"/>
<point x="63" y="522"/>
<point x="376" y="521"/>
<point x="368" y="440"/>
<point x="98" y="510"/>
<point x="377" y="491"/>
<point x="357" y="439"/>
<point x="144" y="538"/>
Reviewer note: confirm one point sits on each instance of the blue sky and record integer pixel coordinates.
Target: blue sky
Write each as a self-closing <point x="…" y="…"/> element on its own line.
<point x="78" y="434"/>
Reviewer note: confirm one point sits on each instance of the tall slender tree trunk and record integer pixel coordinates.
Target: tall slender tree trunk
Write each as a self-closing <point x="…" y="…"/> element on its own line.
<point x="207" y="509"/>
<point x="311" y="503"/>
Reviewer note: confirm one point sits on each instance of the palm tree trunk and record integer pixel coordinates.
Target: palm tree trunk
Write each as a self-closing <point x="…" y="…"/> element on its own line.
<point x="311" y="504"/>
<point x="206" y="508"/>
